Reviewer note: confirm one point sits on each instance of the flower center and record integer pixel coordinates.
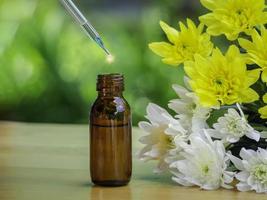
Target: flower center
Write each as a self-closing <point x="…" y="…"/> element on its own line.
<point x="185" y="51"/>
<point x="167" y="141"/>
<point x="259" y="173"/>
<point x="236" y="127"/>
<point x="205" y="169"/>
<point x="224" y="87"/>
<point x="218" y="82"/>
<point x="221" y="86"/>
<point x="241" y="18"/>
<point x="239" y="12"/>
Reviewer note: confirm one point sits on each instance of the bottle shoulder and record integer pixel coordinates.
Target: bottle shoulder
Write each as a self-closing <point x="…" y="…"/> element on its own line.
<point x="118" y="102"/>
<point x="111" y="108"/>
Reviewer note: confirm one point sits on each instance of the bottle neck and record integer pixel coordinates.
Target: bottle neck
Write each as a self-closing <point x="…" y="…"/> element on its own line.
<point x="110" y="85"/>
<point x="110" y="93"/>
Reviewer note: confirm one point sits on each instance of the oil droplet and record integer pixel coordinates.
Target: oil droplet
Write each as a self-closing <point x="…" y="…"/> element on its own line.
<point x="110" y="59"/>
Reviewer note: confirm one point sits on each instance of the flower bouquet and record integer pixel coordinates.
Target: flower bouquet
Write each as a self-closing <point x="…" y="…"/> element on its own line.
<point x="219" y="130"/>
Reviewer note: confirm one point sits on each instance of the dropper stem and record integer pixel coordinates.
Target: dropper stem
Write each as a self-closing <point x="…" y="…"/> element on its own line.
<point x="84" y="23"/>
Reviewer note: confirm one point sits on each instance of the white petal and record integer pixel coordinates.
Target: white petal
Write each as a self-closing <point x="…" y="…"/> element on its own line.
<point x="214" y="133"/>
<point x="243" y="187"/>
<point x="208" y="136"/>
<point x="173" y="165"/>
<point x="154" y="152"/>
<point x="248" y="164"/>
<point x="228" y="177"/>
<point x="171" y="132"/>
<point x="198" y="124"/>
<point x="261" y="189"/>
<point x="143" y="151"/>
<point x="237" y="162"/>
<point x="262" y="153"/>
<point x="186" y="82"/>
<point x="254" y="135"/>
<point x="247" y="154"/>
<point x="148" y="139"/>
<point x="182" y="182"/>
<point x="251" y="181"/>
<point x="172" y="159"/>
<point x="233" y="113"/>
<point x="263" y="134"/>
<point x="210" y="187"/>
<point x="157" y="114"/>
<point x="181" y="166"/>
<point x="175" y="129"/>
<point x="145" y="126"/>
<point x="226" y="186"/>
<point x="178" y="106"/>
<point x="242" y="176"/>
<point x="180" y="91"/>
<point x="162" y="166"/>
<point x="232" y="139"/>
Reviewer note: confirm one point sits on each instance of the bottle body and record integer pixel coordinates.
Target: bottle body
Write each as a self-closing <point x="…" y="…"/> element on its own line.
<point x="110" y="138"/>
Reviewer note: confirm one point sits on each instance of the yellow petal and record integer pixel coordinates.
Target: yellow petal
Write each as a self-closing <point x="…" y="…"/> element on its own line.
<point x="231" y="36"/>
<point x="190" y="24"/>
<point x="182" y="27"/>
<point x="217" y="54"/>
<point x="264" y="75"/>
<point x="209" y="4"/>
<point x="239" y="68"/>
<point x="206" y="99"/>
<point x="265" y="98"/>
<point x="253" y="76"/>
<point x="172" y="61"/>
<point x="162" y="49"/>
<point x="231" y="99"/>
<point x="263" y="112"/>
<point x="189" y="69"/>
<point x="201" y="28"/>
<point x="257" y="40"/>
<point x="245" y="44"/>
<point x="263" y="30"/>
<point x="208" y="19"/>
<point x="232" y="53"/>
<point x="170" y="32"/>
<point x="259" y="4"/>
<point x="249" y="95"/>
<point x="202" y="64"/>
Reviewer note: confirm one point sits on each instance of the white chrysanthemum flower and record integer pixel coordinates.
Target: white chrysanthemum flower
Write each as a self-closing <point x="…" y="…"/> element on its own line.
<point x="163" y="130"/>
<point x="253" y="167"/>
<point x="232" y="126"/>
<point x="192" y="115"/>
<point x="204" y="164"/>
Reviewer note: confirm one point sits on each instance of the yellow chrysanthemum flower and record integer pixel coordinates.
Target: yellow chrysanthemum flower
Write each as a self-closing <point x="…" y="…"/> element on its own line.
<point x="184" y="44"/>
<point x="256" y="50"/>
<point x="263" y="110"/>
<point x="232" y="17"/>
<point x="219" y="80"/>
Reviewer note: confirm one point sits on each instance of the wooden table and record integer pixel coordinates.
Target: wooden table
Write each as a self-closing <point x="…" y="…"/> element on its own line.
<point x="44" y="161"/>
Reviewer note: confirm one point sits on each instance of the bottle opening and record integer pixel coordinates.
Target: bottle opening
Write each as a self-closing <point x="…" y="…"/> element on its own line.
<point x="110" y="81"/>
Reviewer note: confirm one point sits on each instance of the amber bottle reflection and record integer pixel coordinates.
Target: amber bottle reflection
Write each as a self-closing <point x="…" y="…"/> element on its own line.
<point x="110" y="134"/>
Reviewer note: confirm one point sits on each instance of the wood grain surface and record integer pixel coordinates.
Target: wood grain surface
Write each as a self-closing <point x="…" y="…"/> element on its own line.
<point x="47" y="161"/>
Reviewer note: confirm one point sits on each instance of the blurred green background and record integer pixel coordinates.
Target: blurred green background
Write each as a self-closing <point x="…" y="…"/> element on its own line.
<point x="48" y="66"/>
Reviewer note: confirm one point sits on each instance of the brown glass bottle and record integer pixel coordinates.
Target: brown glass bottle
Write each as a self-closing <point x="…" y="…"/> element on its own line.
<point x="110" y="134"/>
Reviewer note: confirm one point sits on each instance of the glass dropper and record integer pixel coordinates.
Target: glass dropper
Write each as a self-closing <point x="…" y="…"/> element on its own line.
<point x="84" y="23"/>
